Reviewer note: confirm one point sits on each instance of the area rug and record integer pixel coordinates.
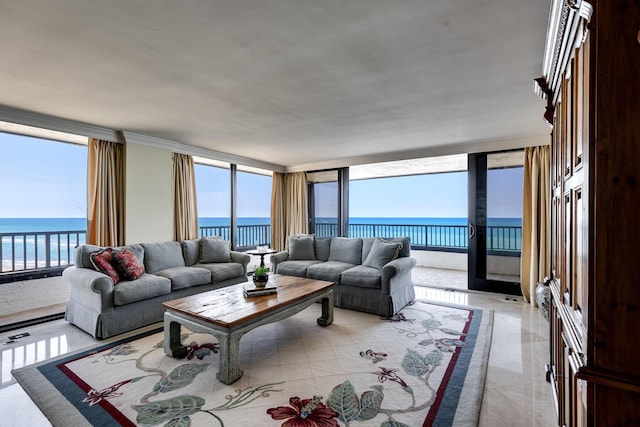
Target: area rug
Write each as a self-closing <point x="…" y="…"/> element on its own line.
<point x="424" y="366"/>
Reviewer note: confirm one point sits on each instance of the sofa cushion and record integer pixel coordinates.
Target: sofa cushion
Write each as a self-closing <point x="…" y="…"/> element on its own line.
<point x="346" y="250"/>
<point x="362" y="277"/>
<point x="147" y="286"/>
<point x="214" y="250"/>
<point x="127" y="264"/>
<point x="185" y="277"/>
<point x="221" y="271"/>
<point x="295" y="268"/>
<point x="301" y="248"/>
<point x="329" y="270"/>
<point x="323" y="246"/>
<point x="163" y="255"/>
<point x="381" y="253"/>
<point x="102" y="261"/>
<point x="190" y="251"/>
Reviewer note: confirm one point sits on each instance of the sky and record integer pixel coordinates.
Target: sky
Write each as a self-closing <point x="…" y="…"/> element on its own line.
<point x="47" y="179"/>
<point x="41" y="178"/>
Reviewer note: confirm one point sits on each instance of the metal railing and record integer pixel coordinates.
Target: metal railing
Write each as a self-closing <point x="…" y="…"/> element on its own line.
<point x="501" y="240"/>
<point x="34" y="250"/>
<point x="21" y="251"/>
<point x="246" y="235"/>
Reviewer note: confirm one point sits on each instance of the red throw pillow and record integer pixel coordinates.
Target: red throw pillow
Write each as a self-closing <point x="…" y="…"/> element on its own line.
<point x="127" y="264"/>
<point x="103" y="262"/>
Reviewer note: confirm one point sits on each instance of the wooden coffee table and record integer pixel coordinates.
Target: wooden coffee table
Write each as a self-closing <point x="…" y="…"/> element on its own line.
<point x="226" y="314"/>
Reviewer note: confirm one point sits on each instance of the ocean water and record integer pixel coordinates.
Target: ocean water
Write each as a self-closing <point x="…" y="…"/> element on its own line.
<point x="22" y="225"/>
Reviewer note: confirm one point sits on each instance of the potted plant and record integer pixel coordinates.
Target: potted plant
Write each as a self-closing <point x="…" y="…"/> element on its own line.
<point x="260" y="276"/>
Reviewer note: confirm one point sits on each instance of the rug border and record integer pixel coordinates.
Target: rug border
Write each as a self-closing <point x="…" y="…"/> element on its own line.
<point x="468" y="413"/>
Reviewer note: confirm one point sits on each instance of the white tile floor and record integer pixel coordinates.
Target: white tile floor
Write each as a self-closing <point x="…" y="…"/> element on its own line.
<point x="516" y="393"/>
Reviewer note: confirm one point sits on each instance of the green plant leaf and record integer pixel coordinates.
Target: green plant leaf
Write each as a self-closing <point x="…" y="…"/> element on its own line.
<point x="180" y="377"/>
<point x="370" y="402"/>
<point x="414" y="364"/>
<point x="166" y="410"/>
<point x="344" y="401"/>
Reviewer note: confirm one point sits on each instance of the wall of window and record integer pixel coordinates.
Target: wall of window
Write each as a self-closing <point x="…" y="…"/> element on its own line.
<point x="213" y="192"/>
<point x="44" y="199"/>
<point x="253" y="209"/>
<point x="244" y="218"/>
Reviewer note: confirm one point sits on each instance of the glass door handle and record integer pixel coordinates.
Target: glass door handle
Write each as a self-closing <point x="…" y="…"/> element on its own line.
<point x="472" y="231"/>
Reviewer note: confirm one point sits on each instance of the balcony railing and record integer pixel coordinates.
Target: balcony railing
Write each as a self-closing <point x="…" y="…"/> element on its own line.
<point x="22" y="251"/>
<point x="33" y="250"/>
<point x="247" y="236"/>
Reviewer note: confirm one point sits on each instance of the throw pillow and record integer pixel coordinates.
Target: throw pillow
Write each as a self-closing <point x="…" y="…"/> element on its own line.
<point x="103" y="262"/>
<point x="214" y="250"/>
<point x="301" y="248"/>
<point x="127" y="264"/>
<point x="381" y="253"/>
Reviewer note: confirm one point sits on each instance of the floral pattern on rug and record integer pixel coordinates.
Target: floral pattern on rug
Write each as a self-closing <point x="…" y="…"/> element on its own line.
<point x="398" y="377"/>
<point x="344" y="402"/>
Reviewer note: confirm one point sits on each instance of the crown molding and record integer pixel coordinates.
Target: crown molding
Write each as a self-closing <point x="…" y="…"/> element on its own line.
<point x="178" y="147"/>
<point x="30" y="118"/>
<point x="443" y="150"/>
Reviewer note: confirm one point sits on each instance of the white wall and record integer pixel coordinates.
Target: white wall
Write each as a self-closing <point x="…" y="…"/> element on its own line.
<point x="149" y="202"/>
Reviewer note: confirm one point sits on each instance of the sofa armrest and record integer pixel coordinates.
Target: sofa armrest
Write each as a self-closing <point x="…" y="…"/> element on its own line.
<point x="276" y="258"/>
<point x="90" y="288"/>
<point x="241" y="258"/>
<point x="398" y="270"/>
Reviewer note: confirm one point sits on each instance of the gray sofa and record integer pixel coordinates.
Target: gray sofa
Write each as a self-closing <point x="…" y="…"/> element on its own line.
<point x="370" y="274"/>
<point x="172" y="270"/>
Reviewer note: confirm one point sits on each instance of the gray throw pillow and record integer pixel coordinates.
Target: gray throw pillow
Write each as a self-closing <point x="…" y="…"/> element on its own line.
<point x="381" y="253"/>
<point x="214" y="250"/>
<point x="301" y="248"/>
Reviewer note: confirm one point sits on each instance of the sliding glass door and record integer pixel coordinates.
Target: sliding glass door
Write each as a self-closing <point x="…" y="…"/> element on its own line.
<point x="328" y="210"/>
<point x="495" y="221"/>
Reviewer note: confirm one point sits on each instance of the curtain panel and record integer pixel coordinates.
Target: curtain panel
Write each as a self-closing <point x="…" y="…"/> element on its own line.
<point x="105" y="193"/>
<point x="536" y="224"/>
<point x="278" y="227"/>
<point x="289" y="207"/>
<point x="185" y="208"/>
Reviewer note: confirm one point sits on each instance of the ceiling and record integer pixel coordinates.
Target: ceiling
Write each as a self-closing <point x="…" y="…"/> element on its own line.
<point x="294" y="83"/>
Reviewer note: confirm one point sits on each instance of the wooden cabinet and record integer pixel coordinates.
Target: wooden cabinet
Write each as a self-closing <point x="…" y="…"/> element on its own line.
<point x="591" y="82"/>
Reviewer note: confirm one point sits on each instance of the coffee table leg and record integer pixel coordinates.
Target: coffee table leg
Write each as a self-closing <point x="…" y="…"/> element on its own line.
<point x="172" y="344"/>
<point x="229" y="357"/>
<point x="327" y="311"/>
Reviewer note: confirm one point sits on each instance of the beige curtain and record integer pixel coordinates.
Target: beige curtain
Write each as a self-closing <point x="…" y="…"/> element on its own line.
<point x="297" y="203"/>
<point x="105" y="193"/>
<point x="536" y="211"/>
<point x="185" y="209"/>
<point x="289" y="207"/>
<point x="278" y="227"/>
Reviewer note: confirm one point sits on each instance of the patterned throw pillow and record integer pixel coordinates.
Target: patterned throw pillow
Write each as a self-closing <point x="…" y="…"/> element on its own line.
<point x="103" y="262"/>
<point x="127" y="264"/>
